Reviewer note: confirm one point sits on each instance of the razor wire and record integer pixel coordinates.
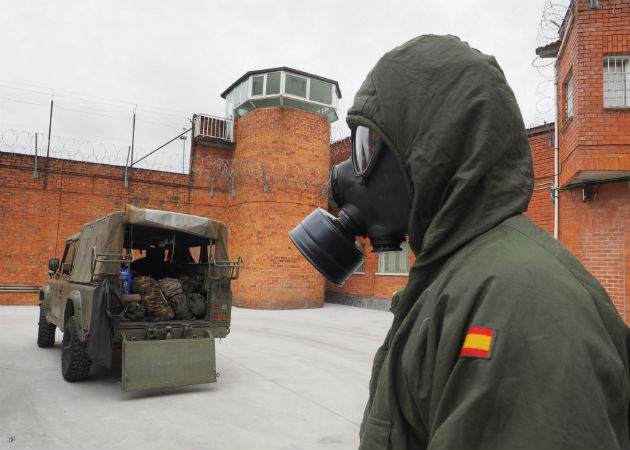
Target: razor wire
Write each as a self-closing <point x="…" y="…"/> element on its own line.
<point x="263" y="173"/>
<point x="338" y="133"/>
<point x="549" y="27"/>
<point x="81" y="150"/>
<point x="213" y="170"/>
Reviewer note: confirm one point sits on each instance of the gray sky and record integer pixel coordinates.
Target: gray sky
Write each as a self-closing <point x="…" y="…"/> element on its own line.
<point x="174" y="58"/>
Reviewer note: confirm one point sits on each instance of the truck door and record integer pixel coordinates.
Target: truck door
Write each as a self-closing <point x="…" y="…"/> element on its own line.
<point x="58" y="294"/>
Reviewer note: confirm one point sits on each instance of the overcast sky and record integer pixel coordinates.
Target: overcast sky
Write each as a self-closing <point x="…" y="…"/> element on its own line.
<point x="174" y="58"/>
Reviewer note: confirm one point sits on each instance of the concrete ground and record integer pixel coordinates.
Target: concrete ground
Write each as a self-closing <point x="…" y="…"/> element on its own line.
<point x="289" y="380"/>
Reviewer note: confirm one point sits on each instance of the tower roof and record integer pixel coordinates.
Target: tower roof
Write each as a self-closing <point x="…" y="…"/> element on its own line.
<point x="277" y="69"/>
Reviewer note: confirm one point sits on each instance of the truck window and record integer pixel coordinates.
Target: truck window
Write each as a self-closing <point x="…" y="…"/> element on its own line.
<point x="68" y="253"/>
<point x="68" y="257"/>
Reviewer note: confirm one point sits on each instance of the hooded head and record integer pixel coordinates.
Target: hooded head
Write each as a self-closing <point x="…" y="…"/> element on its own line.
<point x="447" y="113"/>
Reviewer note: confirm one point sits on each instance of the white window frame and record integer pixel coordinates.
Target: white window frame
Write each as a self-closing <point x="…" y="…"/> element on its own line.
<point x="264" y="87"/>
<point x="282" y="94"/>
<point x="622" y="62"/>
<point x="297" y="97"/>
<point x="381" y="260"/>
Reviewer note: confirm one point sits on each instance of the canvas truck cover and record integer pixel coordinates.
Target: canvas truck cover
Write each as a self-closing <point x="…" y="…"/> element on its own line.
<point x="196" y="225"/>
<point x="105" y="236"/>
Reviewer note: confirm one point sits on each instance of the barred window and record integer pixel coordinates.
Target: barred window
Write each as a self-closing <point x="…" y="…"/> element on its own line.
<point x="395" y="262"/>
<point x="569" y="89"/>
<point x="616" y="81"/>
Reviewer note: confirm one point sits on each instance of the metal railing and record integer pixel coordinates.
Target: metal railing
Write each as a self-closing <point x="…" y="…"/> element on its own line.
<point x="213" y="127"/>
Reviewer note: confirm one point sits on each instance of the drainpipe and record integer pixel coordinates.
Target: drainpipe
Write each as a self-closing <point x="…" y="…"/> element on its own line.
<point x="556" y="156"/>
<point x="557" y="133"/>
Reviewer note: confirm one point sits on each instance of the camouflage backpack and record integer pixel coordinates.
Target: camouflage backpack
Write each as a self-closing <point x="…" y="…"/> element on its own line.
<point x="179" y="303"/>
<point x="155" y="305"/>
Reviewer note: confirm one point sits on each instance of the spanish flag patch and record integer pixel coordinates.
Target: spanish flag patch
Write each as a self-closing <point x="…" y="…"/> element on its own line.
<point x="478" y="343"/>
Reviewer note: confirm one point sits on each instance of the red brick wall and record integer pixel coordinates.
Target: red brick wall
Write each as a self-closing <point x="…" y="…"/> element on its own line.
<point x="598" y="234"/>
<point x="295" y="143"/>
<point x="541" y="209"/>
<point x="595" y="145"/>
<point x="595" y="139"/>
<point x="37" y="215"/>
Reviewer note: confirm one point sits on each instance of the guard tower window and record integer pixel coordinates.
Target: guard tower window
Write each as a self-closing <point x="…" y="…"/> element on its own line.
<point x="295" y="86"/>
<point x="617" y="82"/>
<point x="257" y="85"/>
<point x="283" y="88"/>
<point x="273" y="83"/>
<point x="320" y="92"/>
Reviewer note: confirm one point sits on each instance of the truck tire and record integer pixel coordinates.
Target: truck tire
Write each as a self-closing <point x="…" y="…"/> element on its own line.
<point x="45" y="330"/>
<point x="75" y="362"/>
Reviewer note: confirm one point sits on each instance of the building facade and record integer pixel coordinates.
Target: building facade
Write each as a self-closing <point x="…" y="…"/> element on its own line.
<point x="581" y="167"/>
<point x="264" y="166"/>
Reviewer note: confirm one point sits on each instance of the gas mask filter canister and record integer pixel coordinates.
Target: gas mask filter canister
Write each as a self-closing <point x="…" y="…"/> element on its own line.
<point x="374" y="201"/>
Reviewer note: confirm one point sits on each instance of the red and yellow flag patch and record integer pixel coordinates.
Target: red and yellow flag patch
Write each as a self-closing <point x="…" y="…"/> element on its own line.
<point x="478" y="343"/>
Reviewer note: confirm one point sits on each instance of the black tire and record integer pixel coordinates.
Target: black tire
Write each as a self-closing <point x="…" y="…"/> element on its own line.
<point x="45" y="330"/>
<point x="75" y="362"/>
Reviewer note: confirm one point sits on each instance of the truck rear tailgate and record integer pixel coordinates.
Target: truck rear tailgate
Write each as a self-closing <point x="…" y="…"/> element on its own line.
<point x="166" y="363"/>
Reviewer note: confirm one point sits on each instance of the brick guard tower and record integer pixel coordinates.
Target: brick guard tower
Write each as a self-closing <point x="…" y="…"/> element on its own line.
<point x="281" y="117"/>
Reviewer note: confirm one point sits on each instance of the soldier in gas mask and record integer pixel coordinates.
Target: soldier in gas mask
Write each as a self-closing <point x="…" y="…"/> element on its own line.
<point x="501" y="339"/>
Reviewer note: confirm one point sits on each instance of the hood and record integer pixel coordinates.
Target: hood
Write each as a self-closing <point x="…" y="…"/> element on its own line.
<point x="451" y="119"/>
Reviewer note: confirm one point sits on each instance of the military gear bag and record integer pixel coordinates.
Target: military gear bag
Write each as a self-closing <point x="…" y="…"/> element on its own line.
<point x="155" y="305"/>
<point x="135" y="311"/>
<point x="197" y="304"/>
<point x="189" y="283"/>
<point x="170" y="287"/>
<point x="179" y="303"/>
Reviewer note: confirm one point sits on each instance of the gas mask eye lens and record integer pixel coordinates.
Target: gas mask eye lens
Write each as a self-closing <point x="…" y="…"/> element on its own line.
<point x="365" y="147"/>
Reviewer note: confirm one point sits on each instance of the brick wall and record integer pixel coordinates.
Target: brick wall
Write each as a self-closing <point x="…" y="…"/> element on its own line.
<point x="598" y="234"/>
<point x="595" y="142"/>
<point x="595" y="145"/>
<point x="276" y="274"/>
<point x="541" y="209"/>
<point x="37" y="215"/>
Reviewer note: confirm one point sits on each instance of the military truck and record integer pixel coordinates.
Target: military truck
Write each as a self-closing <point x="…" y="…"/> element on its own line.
<point x="86" y="296"/>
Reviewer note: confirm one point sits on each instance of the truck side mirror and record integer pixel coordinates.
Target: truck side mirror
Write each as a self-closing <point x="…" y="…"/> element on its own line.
<point x="53" y="264"/>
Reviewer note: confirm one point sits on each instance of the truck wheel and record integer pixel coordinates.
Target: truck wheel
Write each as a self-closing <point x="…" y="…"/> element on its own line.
<point x="45" y="330"/>
<point x="75" y="362"/>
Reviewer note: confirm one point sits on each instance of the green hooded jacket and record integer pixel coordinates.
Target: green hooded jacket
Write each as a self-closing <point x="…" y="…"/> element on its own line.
<point x="501" y="339"/>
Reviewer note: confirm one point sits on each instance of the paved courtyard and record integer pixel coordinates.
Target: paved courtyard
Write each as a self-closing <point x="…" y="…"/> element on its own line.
<point x="289" y="380"/>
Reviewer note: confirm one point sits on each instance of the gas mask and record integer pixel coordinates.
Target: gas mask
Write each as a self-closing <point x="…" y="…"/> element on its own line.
<point x="370" y="190"/>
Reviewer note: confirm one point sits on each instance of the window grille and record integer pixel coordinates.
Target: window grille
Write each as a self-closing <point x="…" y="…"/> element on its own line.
<point x="616" y="82"/>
